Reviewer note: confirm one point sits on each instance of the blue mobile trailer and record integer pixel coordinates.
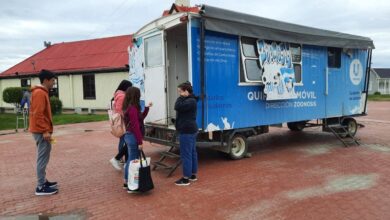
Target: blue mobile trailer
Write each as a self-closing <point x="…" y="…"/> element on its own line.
<point x="250" y="72"/>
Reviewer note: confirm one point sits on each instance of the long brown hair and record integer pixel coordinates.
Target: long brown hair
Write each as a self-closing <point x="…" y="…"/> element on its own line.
<point x="132" y="98"/>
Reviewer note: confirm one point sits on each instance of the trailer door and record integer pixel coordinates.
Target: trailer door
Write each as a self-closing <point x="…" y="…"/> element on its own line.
<point x="333" y="94"/>
<point x="155" y="78"/>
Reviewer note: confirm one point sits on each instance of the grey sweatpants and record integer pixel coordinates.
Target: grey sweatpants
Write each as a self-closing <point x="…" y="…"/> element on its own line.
<point x="43" y="156"/>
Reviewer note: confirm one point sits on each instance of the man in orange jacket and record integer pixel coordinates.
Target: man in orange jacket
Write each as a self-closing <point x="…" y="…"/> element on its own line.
<point x="41" y="127"/>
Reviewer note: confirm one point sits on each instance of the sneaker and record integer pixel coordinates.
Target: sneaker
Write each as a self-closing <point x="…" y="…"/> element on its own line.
<point x="124" y="185"/>
<point x="45" y="191"/>
<point x="193" y="178"/>
<point x="51" y="184"/>
<point x="122" y="161"/>
<point x="183" y="182"/>
<point x="115" y="163"/>
<point x="132" y="191"/>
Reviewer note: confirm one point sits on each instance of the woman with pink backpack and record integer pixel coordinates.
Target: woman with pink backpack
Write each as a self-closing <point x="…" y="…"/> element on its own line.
<point x="117" y="103"/>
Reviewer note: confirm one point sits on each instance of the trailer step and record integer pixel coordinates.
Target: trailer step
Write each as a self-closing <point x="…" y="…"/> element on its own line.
<point x="342" y="133"/>
<point x="170" y="154"/>
<point x="161" y="163"/>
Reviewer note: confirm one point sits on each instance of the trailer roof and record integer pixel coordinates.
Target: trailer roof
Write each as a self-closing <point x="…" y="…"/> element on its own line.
<point x="231" y="22"/>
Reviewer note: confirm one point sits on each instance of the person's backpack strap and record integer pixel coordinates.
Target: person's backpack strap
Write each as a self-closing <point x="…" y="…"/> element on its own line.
<point x="112" y="100"/>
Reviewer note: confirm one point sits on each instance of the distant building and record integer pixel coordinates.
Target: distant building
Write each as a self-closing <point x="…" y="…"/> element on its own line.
<point x="379" y="81"/>
<point x="88" y="71"/>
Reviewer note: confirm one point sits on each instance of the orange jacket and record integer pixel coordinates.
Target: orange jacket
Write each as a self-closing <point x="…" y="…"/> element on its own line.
<point x="40" y="111"/>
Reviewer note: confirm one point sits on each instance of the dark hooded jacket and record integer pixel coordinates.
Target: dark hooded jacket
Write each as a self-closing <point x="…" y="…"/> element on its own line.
<point x="186" y="114"/>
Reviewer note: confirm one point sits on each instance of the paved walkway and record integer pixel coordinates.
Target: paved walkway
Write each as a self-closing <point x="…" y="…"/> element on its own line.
<point x="291" y="175"/>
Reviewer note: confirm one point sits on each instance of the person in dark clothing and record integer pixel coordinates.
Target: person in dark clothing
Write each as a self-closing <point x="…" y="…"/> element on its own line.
<point x="187" y="128"/>
<point x="26" y="99"/>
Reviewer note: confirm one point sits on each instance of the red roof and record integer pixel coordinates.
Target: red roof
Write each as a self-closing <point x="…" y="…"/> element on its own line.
<point x="187" y="9"/>
<point x="79" y="56"/>
<point x="178" y="8"/>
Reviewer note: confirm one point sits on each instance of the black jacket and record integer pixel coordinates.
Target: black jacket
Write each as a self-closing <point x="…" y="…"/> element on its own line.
<point x="186" y="114"/>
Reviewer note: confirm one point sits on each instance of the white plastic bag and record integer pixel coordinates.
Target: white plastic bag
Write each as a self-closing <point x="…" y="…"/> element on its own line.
<point x="133" y="176"/>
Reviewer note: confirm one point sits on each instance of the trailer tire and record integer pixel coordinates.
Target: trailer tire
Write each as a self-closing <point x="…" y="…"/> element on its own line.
<point x="296" y="126"/>
<point x="351" y="125"/>
<point x="238" y="146"/>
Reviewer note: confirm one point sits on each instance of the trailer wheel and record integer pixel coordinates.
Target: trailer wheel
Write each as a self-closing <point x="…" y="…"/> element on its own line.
<point x="296" y="126"/>
<point x="238" y="147"/>
<point x="351" y="126"/>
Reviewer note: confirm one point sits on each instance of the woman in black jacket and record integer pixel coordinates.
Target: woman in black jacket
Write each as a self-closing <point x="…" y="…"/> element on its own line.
<point x="187" y="128"/>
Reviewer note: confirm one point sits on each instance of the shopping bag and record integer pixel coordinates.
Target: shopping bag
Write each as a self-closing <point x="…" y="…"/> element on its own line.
<point x="133" y="174"/>
<point x="145" y="182"/>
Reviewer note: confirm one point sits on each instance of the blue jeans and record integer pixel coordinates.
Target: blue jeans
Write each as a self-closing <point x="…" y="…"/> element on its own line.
<point x="188" y="154"/>
<point x="132" y="149"/>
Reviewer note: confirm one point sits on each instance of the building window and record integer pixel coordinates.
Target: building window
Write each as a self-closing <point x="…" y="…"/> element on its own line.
<point x="153" y="51"/>
<point x="54" y="90"/>
<point x="381" y="86"/>
<point x="25" y="83"/>
<point x="334" y="57"/>
<point x="250" y="65"/>
<point x="89" y="86"/>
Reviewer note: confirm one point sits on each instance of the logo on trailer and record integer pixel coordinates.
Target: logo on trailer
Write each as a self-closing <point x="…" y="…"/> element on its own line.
<point x="356" y="72"/>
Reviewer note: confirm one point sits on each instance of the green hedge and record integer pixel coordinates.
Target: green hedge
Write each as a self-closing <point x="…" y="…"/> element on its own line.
<point x="56" y="105"/>
<point x="13" y="95"/>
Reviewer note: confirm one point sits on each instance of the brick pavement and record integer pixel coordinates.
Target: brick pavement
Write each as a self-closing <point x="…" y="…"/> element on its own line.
<point x="304" y="175"/>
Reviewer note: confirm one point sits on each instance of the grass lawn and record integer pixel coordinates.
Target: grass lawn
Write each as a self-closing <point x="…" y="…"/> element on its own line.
<point x="379" y="97"/>
<point x="8" y="121"/>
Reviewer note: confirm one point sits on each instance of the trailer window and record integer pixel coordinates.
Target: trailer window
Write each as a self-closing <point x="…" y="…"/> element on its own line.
<point x="153" y="51"/>
<point x="249" y="47"/>
<point x="253" y="71"/>
<point x="250" y="65"/>
<point x="298" y="73"/>
<point x="296" y="58"/>
<point x="334" y="57"/>
<point x="296" y="53"/>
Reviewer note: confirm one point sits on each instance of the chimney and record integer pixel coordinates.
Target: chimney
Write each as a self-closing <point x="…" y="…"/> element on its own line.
<point x="185" y="3"/>
<point x="47" y="44"/>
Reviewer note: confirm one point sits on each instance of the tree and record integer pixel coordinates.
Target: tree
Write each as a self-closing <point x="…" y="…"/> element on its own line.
<point x="13" y="95"/>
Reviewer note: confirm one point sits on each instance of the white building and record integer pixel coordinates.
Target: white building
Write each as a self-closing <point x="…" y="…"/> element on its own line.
<point x="379" y="81"/>
<point x="88" y="71"/>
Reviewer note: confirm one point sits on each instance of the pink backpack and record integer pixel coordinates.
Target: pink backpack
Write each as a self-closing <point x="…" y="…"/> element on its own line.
<point x="118" y="128"/>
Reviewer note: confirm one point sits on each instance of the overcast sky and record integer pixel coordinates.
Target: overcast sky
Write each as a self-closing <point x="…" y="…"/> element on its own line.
<point x="25" y="25"/>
